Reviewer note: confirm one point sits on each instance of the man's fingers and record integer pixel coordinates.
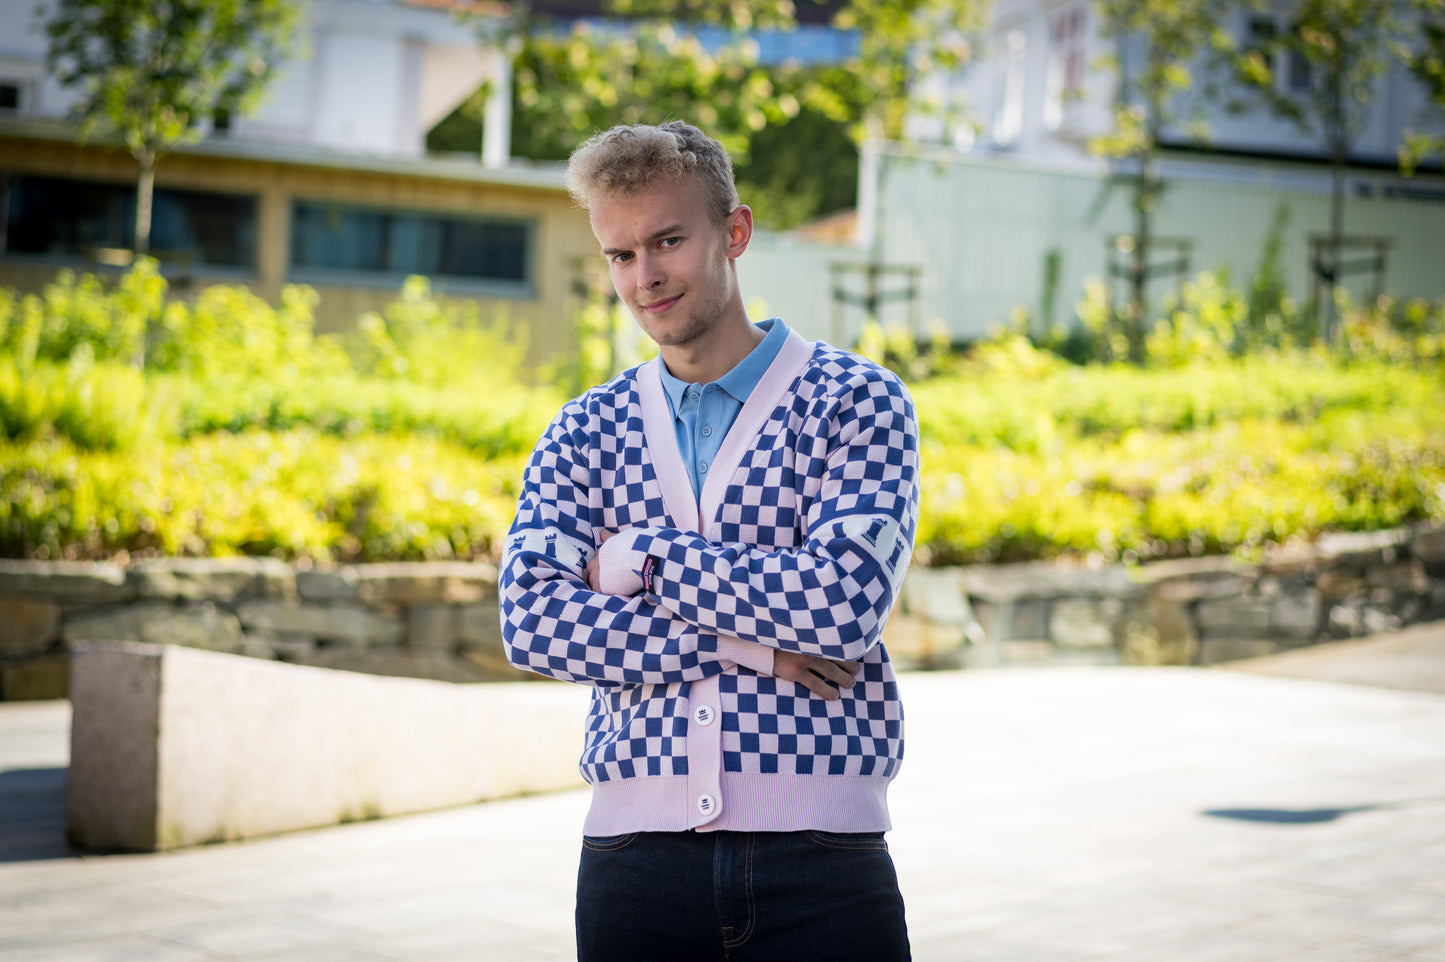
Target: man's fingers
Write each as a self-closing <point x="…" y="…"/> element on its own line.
<point x="839" y="673"/>
<point x="818" y="686"/>
<point x="819" y="675"/>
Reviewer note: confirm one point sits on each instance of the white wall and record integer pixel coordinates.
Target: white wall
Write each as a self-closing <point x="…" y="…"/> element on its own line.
<point x="22" y="58"/>
<point x="980" y="229"/>
<point x="788" y="278"/>
<point x="373" y="77"/>
<point x="1020" y="32"/>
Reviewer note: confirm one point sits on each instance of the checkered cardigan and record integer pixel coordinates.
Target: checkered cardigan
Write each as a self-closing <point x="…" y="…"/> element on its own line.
<point x="799" y="542"/>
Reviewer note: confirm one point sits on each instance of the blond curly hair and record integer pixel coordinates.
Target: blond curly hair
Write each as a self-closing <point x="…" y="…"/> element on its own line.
<point x="630" y="158"/>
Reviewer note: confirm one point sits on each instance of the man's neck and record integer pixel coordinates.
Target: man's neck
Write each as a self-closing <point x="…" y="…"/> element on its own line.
<point x="705" y="360"/>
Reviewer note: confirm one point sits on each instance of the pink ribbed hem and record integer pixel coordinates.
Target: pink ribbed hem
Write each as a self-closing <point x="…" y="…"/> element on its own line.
<point x="750" y="803"/>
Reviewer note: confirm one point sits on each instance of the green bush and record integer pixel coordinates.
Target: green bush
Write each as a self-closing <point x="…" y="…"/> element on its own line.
<point x="1204" y="322"/>
<point x="1043" y="412"/>
<point x="97" y="405"/>
<point x="1399" y="332"/>
<point x="229" y="331"/>
<point x="84" y="313"/>
<point x="223" y="425"/>
<point x="291" y="494"/>
<point x="228" y="361"/>
<point x="1148" y="494"/>
<point x="421" y="339"/>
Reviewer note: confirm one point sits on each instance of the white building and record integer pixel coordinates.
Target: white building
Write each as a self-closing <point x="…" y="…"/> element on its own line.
<point x="373" y="77"/>
<point x="1011" y="209"/>
<point x="1039" y="91"/>
<point x="327" y="183"/>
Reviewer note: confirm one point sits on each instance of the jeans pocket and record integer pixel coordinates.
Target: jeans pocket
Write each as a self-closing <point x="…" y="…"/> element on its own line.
<point x="859" y="841"/>
<point x="608" y="843"/>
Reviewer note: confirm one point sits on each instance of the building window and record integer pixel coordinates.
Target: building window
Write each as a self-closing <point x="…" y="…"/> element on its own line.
<point x="1300" y="80"/>
<point x="329" y="238"/>
<point x="1008" y="119"/>
<point x="1064" y="82"/>
<point x="1260" y="39"/>
<point x="10" y="95"/>
<point x="57" y="217"/>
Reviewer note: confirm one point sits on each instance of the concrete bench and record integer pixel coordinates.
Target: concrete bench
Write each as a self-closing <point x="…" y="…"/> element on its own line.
<point x="174" y="746"/>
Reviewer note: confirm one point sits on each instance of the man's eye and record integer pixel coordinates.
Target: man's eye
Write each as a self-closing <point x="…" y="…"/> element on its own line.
<point x="621" y="258"/>
<point x="671" y="241"/>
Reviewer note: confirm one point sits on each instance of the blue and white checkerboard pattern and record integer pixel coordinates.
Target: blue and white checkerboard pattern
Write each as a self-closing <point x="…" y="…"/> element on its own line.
<point x="806" y="554"/>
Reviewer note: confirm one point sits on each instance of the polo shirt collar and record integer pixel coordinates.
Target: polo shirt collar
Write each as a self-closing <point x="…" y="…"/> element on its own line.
<point x="745" y="375"/>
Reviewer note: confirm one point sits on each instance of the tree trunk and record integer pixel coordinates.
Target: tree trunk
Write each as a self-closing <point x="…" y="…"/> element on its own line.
<point x="4" y="211"/>
<point x="1337" y="136"/>
<point x="144" y="198"/>
<point x="1337" y="242"/>
<point x="1139" y="257"/>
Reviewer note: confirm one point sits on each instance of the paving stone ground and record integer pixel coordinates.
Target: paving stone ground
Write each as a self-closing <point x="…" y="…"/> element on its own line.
<point x="1042" y="815"/>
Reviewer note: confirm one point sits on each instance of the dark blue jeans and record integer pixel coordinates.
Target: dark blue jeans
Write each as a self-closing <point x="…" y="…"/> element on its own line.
<point x="739" y="896"/>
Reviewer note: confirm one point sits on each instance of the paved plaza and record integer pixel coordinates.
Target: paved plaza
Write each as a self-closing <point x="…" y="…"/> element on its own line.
<point x="1043" y="815"/>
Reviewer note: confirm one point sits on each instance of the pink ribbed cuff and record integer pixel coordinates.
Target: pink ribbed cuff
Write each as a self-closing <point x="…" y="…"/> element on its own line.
<point x="619" y="563"/>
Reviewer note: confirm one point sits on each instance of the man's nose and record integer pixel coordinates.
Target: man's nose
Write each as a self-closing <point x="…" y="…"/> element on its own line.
<point x="649" y="273"/>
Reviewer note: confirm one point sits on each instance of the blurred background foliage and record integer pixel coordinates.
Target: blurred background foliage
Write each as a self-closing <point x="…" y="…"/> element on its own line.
<point x="133" y="422"/>
<point x="794" y="161"/>
<point x="792" y="120"/>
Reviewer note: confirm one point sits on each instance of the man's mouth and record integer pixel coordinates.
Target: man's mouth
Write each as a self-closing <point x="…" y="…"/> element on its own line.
<point x="657" y="307"/>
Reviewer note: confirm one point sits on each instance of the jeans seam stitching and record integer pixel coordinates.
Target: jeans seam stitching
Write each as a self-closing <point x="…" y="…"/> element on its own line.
<point x="872" y="845"/>
<point x="617" y="846"/>
<point x="747" y="898"/>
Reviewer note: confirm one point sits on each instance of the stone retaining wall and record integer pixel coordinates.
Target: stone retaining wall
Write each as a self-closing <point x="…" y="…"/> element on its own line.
<point x="1190" y="612"/>
<point x="433" y="620"/>
<point x="440" y="620"/>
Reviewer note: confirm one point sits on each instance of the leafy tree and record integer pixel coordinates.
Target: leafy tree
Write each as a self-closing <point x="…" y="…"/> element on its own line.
<point x="1161" y="45"/>
<point x="1346" y="46"/>
<point x="799" y="170"/>
<point x="571" y="83"/>
<point x="573" y="77"/>
<point x="869" y="89"/>
<point x="150" y="71"/>
<point x="1427" y="63"/>
<point x="900" y="42"/>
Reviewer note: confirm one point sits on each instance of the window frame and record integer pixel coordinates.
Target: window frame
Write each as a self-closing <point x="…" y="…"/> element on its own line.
<point x="523" y="288"/>
<point x="121" y="194"/>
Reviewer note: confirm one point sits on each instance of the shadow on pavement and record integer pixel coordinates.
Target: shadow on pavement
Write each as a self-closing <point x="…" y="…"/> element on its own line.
<point x="1309" y="816"/>
<point x="1289" y="816"/>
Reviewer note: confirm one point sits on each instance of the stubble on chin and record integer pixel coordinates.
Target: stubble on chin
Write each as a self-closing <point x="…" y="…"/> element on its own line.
<point x="666" y="333"/>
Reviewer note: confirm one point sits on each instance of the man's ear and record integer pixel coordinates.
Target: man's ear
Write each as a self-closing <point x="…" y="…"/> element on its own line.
<point x="739" y="227"/>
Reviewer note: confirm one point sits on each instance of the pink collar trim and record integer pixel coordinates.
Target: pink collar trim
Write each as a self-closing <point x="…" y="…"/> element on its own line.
<point x="661" y="439"/>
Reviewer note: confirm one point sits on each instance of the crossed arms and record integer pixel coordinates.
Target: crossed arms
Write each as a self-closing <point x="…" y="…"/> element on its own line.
<point x="656" y="605"/>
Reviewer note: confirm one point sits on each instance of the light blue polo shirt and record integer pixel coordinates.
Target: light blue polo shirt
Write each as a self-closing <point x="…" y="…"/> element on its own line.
<point x="703" y="413"/>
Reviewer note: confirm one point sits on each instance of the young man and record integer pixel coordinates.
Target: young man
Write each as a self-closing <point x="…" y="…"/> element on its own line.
<point x="713" y="541"/>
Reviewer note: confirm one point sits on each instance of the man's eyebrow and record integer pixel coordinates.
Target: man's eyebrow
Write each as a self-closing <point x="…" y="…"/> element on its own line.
<point x="668" y="231"/>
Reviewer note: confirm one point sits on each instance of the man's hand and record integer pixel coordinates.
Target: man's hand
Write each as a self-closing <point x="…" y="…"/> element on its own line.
<point x="819" y="675"/>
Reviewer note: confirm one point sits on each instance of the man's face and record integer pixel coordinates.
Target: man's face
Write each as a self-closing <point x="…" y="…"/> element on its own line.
<point x="670" y="261"/>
